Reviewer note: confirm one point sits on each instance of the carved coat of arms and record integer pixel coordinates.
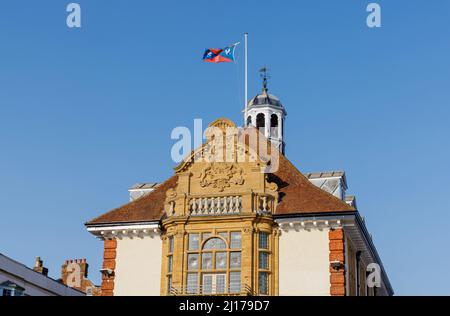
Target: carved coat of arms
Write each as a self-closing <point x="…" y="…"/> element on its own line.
<point x="221" y="176"/>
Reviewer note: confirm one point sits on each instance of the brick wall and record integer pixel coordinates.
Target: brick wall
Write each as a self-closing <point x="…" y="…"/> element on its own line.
<point x="109" y="262"/>
<point x="337" y="253"/>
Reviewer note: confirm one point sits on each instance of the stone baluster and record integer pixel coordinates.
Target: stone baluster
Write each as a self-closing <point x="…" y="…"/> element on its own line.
<point x="225" y="204"/>
<point x="219" y="205"/>
<point x="264" y="204"/>
<point x="211" y="203"/>
<point x="194" y="206"/>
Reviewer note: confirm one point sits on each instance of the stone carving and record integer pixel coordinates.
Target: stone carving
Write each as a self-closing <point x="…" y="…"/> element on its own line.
<point x="272" y="186"/>
<point x="171" y="194"/>
<point x="221" y="176"/>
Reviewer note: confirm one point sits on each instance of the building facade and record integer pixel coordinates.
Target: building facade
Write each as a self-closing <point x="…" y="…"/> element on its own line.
<point x="248" y="223"/>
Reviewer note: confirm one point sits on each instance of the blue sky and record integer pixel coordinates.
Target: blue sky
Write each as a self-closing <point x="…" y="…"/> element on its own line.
<point x="85" y="113"/>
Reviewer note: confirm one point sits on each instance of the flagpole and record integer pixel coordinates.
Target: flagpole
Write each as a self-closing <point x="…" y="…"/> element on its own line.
<point x="245" y="76"/>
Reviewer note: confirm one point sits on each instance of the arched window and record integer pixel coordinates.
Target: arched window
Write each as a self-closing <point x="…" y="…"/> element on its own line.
<point x="274" y="125"/>
<point x="249" y="120"/>
<point x="260" y="120"/>
<point x="214" y="243"/>
<point x="214" y="263"/>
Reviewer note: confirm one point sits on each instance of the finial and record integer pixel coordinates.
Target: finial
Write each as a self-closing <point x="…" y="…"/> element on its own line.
<point x="264" y="75"/>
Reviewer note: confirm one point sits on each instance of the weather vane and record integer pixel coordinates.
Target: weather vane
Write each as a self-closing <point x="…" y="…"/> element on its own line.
<point x="264" y="75"/>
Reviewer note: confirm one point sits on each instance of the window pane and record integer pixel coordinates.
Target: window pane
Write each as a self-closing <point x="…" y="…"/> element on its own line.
<point x="207" y="261"/>
<point x="220" y="283"/>
<point x="7" y="292"/>
<point x="192" y="283"/>
<point x="235" y="260"/>
<point x="235" y="240"/>
<point x="205" y="236"/>
<point x="170" y="244"/>
<point x="235" y="282"/>
<point x="193" y="241"/>
<point x="207" y="284"/>
<point x="221" y="260"/>
<point x="193" y="261"/>
<point x="214" y="243"/>
<point x="263" y="260"/>
<point x="170" y="264"/>
<point x="263" y="241"/>
<point x="169" y="284"/>
<point x="224" y="235"/>
<point x="263" y="283"/>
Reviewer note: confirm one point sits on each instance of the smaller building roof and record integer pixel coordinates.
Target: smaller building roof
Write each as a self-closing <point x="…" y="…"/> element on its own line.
<point x="29" y="276"/>
<point x="263" y="99"/>
<point x="328" y="174"/>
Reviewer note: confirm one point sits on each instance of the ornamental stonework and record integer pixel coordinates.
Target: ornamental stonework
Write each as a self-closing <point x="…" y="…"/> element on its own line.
<point x="221" y="176"/>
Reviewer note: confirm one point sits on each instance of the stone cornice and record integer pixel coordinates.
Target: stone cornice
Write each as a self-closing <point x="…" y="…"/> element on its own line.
<point x="126" y="231"/>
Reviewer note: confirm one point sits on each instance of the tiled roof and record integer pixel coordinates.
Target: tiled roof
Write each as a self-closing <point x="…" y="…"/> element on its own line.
<point x="297" y="195"/>
<point x="149" y="207"/>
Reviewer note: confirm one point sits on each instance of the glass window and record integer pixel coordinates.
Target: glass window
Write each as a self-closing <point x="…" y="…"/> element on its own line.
<point x="193" y="242"/>
<point x="263" y="240"/>
<point x="207" y="283"/>
<point x="193" y="261"/>
<point x="220" y="283"/>
<point x="263" y="260"/>
<point x="169" y="284"/>
<point x="235" y="282"/>
<point x="7" y="292"/>
<point x="235" y="260"/>
<point x="221" y="260"/>
<point x="214" y="243"/>
<point x="170" y="264"/>
<point x="224" y="235"/>
<point x="192" y="283"/>
<point x="235" y="240"/>
<point x="171" y="244"/>
<point x="205" y="236"/>
<point x="263" y="283"/>
<point x="207" y="261"/>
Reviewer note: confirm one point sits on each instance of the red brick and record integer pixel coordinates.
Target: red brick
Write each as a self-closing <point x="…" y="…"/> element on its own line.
<point x="337" y="290"/>
<point x="337" y="256"/>
<point x="110" y="244"/>
<point x="337" y="278"/>
<point x="108" y="285"/>
<point x="337" y="234"/>
<point x="336" y="245"/>
<point x="109" y="264"/>
<point x="109" y="254"/>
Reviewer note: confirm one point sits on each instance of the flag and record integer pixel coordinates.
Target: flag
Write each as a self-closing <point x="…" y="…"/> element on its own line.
<point x="220" y="55"/>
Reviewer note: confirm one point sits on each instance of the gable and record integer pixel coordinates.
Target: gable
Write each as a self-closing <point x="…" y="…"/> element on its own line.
<point x="284" y="191"/>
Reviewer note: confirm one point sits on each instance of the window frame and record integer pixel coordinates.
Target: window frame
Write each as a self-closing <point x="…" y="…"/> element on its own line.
<point x="205" y="236"/>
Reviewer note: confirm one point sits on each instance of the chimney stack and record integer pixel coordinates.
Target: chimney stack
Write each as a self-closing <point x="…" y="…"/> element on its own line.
<point x="39" y="267"/>
<point x="74" y="273"/>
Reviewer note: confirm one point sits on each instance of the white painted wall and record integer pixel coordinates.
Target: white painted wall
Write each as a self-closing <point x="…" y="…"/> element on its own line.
<point x="138" y="266"/>
<point x="304" y="262"/>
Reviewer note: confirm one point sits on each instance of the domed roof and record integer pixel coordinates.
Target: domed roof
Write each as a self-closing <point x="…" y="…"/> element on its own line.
<point x="265" y="98"/>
